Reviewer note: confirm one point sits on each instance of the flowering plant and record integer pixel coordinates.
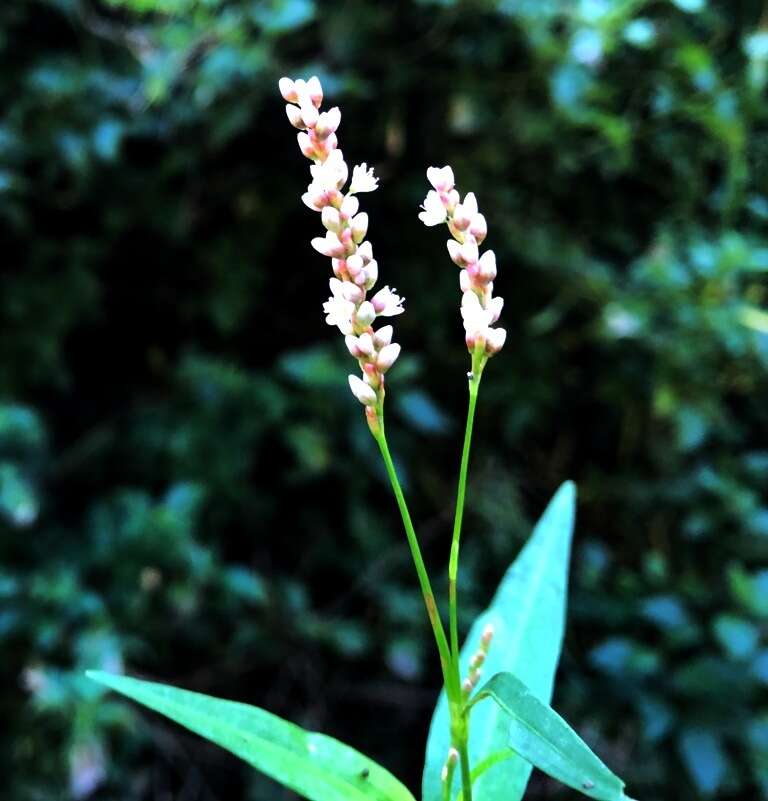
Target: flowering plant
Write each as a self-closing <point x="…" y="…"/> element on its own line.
<point x="485" y="737"/>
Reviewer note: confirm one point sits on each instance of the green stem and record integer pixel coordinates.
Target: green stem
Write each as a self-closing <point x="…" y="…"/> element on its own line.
<point x="466" y="773"/>
<point x="421" y="570"/>
<point x="453" y="564"/>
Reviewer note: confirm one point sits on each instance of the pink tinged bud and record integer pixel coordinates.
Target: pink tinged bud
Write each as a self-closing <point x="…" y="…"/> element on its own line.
<point x="371" y="273"/>
<point x="365" y="344"/>
<point x="495" y="340"/>
<point x="359" y="226"/>
<point x="383" y="336"/>
<point x="372" y="418"/>
<point x="354" y="265"/>
<point x="469" y="251"/>
<point x="366" y="251"/>
<point x="309" y="114"/>
<point x="371" y="375"/>
<point x="441" y="178"/>
<point x="327" y="122"/>
<point x="495" y="307"/>
<point x="330" y="218"/>
<point x="487" y="266"/>
<point x="351" y="342"/>
<point x="478" y="227"/>
<point x="315" y="90"/>
<point x="366" y="314"/>
<point x="349" y="206"/>
<point x="305" y="145"/>
<point x="467" y="686"/>
<point x="454" y="251"/>
<point x="387" y="356"/>
<point x="451" y="200"/>
<point x="464" y="281"/>
<point x="470" y="204"/>
<point x="288" y="90"/>
<point x="486" y="637"/>
<point x="294" y="116"/>
<point x="331" y="143"/>
<point x="460" y="218"/>
<point x="365" y="394"/>
<point x="328" y="245"/>
<point x="352" y="293"/>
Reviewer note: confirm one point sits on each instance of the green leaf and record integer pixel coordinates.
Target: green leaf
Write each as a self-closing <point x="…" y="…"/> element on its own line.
<point x="528" y="618"/>
<point x="313" y="765"/>
<point x="537" y="733"/>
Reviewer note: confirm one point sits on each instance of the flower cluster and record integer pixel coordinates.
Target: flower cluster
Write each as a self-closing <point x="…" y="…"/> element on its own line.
<point x="476" y="662"/>
<point x="354" y="268"/>
<point x="479" y="309"/>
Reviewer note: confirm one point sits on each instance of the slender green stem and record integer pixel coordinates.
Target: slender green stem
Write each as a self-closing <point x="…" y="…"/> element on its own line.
<point x="466" y="773"/>
<point x="453" y="564"/>
<point x="421" y="570"/>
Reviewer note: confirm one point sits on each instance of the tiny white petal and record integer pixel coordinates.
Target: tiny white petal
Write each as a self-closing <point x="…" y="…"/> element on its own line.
<point x="434" y="212"/>
<point x="363" y="179"/>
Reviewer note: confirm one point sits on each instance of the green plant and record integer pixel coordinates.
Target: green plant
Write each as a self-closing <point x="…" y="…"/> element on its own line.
<point x="492" y="734"/>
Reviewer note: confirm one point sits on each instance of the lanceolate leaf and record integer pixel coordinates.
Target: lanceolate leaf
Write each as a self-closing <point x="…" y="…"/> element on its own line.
<point x="313" y="765"/>
<point x="528" y="617"/>
<point x="540" y="735"/>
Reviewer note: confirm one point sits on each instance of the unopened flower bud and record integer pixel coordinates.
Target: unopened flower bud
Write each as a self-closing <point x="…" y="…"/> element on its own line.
<point x="495" y="307"/>
<point x="487" y="266"/>
<point x="470" y="204"/>
<point x="467" y="686"/>
<point x="309" y="114"/>
<point x="464" y="281"/>
<point x="349" y="207"/>
<point x="478" y="228"/>
<point x="351" y="342"/>
<point x="365" y="394"/>
<point x="387" y="356"/>
<point x="328" y="122"/>
<point x="454" y="251"/>
<point x="366" y="251"/>
<point x="383" y="336"/>
<point x="371" y="273"/>
<point x="495" y="340"/>
<point x="359" y="225"/>
<point x="351" y="292"/>
<point x="330" y="218"/>
<point x="452" y="198"/>
<point x="372" y="418"/>
<point x="294" y="115"/>
<point x="305" y="145"/>
<point x="366" y="314"/>
<point x="460" y="218"/>
<point x="354" y="265"/>
<point x="365" y="344"/>
<point x="469" y="251"/>
<point x="315" y="91"/>
<point x="441" y="178"/>
<point x="288" y="90"/>
<point x="486" y="637"/>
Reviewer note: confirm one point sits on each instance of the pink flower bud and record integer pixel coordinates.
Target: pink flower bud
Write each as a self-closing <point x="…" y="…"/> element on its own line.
<point x="366" y="314"/>
<point x="371" y="273"/>
<point x="495" y="340"/>
<point x="327" y="122"/>
<point x="315" y="90"/>
<point x="454" y="251"/>
<point x="464" y="281"/>
<point x="383" y="336"/>
<point x="487" y="266"/>
<point x="365" y="344"/>
<point x="309" y="114"/>
<point x="372" y="418"/>
<point x="441" y="178"/>
<point x="349" y="206"/>
<point x="366" y="251"/>
<point x="351" y="342"/>
<point x="460" y="218"/>
<point x="359" y="225"/>
<point x="387" y="357"/>
<point x="486" y="637"/>
<point x="470" y="204"/>
<point x="288" y="90"/>
<point x="294" y="116"/>
<point x="478" y="228"/>
<point x="351" y="292"/>
<point x="305" y="145"/>
<point x="330" y="218"/>
<point x="451" y="199"/>
<point x="328" y="245"/>
<point x="495" y="307"/>
<point x="354" y="265"/>
<point x="365" y="394"/>
<point x="469" y="251"/>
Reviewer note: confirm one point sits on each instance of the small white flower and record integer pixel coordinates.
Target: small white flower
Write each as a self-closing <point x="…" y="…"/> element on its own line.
<point x="495" y="340"/>
<point x="363" y="179"/>
<point x="365" y="394"/>
<point x="331" y="173"/>
<point x="288" y="90"/>
<point x="339" y="312"/>
<point x="387" y="302"/>
<point x="476" y="319"/>
<point x="329" y="245"/>
<point x="434" y="212"/>
<point x="441" y="178"/>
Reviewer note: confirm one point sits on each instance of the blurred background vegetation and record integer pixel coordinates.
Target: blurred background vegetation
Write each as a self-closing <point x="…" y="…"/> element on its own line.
<point x="188" y="490"/>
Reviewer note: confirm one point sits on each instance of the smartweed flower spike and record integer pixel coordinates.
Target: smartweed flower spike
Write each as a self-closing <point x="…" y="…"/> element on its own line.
<point x="355" y="270"/>
<point x="479" y="309"/>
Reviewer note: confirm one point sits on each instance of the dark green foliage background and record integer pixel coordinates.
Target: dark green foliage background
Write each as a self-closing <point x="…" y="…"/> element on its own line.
<point x="187" y="487"/>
